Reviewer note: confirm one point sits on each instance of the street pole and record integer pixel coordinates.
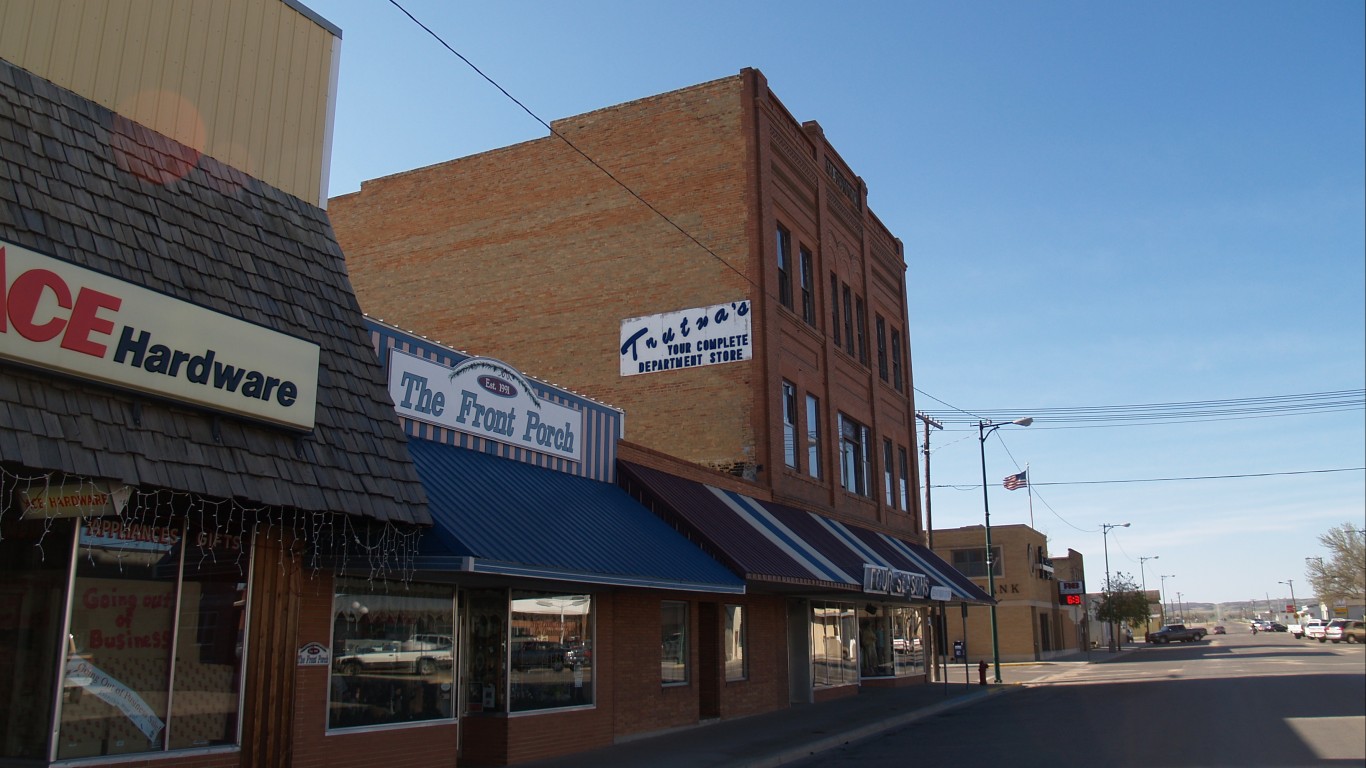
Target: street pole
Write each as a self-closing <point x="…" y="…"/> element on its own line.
<point x="1291" y="583"/>
<point x="985" y="428"/>
<point x="929" y="538"/>
<point x="1109" y="601"/>
<point x="1147" y="613"/>
<point x="1165" y="610"/>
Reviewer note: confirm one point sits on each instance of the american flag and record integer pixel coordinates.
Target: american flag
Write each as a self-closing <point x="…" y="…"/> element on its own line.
<point x="1015" y="482"/>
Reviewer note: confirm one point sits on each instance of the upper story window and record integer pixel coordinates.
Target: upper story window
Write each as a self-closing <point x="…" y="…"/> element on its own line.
<point x="972" y="562"/>
<point x="888" y="475"/>
<point x="808" y="281"/>
<point x="813" y="436"/>
<point x="854" y="449"/>
<point x="835" y="309"/>
<point x="790" y="424"/>
<point x="905" y="473"/>
<point x="881" y="333"/>
<point x="784" y="246"/>
<point x="848" y="318"/>
<point x="861" y="328"/>
<point x="896" y="361"/>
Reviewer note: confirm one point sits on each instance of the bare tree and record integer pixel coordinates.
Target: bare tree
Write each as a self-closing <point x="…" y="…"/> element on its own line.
<point x="1341" y="575"/>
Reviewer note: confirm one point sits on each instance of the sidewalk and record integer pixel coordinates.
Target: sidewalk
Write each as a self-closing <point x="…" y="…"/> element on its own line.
<point x="803" y="730"/>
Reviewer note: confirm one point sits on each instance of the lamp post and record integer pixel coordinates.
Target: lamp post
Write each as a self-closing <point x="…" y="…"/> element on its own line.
<point x="1293" y="602"/>
<point x="1164" y="578"/>
<point x="985" y="428"/>
<point x="1148" y="614"/>
<point x="1109" y="600"/>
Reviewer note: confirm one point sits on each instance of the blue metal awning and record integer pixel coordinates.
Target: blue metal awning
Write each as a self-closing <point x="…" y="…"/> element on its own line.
<point x="765" y="541"/>
<point x="498" y="516"/>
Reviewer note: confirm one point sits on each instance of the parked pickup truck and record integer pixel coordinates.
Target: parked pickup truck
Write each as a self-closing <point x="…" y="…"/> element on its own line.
<point x="1315" y="629"/>
<point x="1177" y="632"/>
<point x="422" y="654"/>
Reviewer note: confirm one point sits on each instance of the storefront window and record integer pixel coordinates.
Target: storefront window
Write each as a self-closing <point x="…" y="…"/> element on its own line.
<point x="673" y="643"/>
<point x="834" y="644"/>
<point x="392" y="653"/>
<point x="485" y="654"/>
<point x="733" y="644"/>
<point x="890" y="641"/>
<point x="35" y="560"/>
<point x="140" y="589"/>
<point x="551" y="656"/>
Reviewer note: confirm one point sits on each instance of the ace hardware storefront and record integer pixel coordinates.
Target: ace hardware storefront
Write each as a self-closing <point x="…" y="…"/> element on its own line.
<point x="191" y="425"/>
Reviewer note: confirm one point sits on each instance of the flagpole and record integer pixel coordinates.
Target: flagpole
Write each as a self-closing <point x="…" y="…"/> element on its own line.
<point x="1029" y="486"/>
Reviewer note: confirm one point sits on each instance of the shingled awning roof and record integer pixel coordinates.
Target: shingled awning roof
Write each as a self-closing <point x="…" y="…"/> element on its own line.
<point x="81" y="183"/>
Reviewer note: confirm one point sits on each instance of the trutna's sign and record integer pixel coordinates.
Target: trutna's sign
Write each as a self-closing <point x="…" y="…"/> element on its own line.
<point x="690" y="338"/>
<point x="484" y="397"/>
<point x="881" y="580"/>
<point x="58" y="316"/>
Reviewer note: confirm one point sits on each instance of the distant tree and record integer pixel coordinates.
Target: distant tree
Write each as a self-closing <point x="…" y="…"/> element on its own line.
<point x="1341" y="575"/>
<point x="1124" y="602"/>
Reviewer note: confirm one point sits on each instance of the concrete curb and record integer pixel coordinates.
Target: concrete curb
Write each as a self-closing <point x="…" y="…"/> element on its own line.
<point x="814" y="748"/>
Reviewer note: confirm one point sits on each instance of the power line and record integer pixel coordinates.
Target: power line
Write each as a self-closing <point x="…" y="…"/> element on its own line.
<point x="1074" y="417"/>
<point x="1171" y="479"/>
<point x="576" y="149"/>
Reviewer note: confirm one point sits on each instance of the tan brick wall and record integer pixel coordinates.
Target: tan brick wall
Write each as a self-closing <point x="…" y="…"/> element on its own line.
<point x="532" y="255"/>
<point x="1025" y="600"/>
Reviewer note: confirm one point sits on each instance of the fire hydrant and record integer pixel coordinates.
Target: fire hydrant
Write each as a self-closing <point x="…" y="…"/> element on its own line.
<point x="982" y="672"/>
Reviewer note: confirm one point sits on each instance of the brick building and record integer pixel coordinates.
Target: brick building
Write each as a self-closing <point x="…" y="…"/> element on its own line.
<point x="1032" y="623"/>
<point x="750" y="321"/>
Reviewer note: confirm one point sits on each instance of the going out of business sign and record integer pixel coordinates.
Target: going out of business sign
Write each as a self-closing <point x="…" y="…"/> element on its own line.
<point x="487" y="398"/>
<point x="81" y="323"/>
<point x="689" y="338"/>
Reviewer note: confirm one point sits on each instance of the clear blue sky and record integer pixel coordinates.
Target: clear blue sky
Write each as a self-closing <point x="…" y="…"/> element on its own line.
<point x="1102" y="204"/>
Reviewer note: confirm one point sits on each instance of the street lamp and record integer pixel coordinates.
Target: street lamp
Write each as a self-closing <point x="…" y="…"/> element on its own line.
<point x="1148" y="614"/>
<point x="1164" y="578"/>
<point x="985" y="428"/>
<point x="1293" y="602"/>
<point x="1109" y="600"/>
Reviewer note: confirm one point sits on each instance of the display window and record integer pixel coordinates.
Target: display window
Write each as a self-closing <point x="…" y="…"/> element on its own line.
<point x="673" y="643"/>
<point x="154" y="640"/>
<point x="550" y="659"/>
<point x="834" y="644"/>
<point x="734" y="645"/>
<point x="393" y="654"/>
<point x="528" y="651"/>
<point x="890" y="641"/>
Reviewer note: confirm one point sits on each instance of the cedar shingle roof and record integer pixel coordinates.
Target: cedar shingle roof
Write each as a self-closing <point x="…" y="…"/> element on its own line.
<point x="83" y="184"/>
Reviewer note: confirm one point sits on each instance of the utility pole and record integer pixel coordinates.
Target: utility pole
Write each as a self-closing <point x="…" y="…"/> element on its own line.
<point x="938" y="632"/>
<point x="929" y="520"/>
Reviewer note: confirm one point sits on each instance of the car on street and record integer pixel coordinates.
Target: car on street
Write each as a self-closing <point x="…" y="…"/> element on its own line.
<point x="1176" y="633"/>
<point x="1350" y="630"/>
<point x="1219" y="629"/>
<point x="1311" y="627"/>
<point x="1276" y="626"/>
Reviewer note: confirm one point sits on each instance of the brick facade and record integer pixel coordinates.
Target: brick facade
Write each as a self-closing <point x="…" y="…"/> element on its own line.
<point x="532" y="255"/>
<point x="1030" y="623"/>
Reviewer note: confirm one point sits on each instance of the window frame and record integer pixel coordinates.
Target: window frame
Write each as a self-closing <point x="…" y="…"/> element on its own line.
<point x="848" y="295"/>
<point x="888" y="473"/>
<point x="784" y="254"/>
<point x="861" y="328"/>
<point x="813" y="436"/>
<point x="880" y="337"/>
<point x="807" y="279"/>
<point x="734" y="638"/>
<point x="681" y="656"/>
<point x="835" y="309"/>
<point x="897" y="380"/>
<point x="791" y="456"/>
<point x="854" y="445"/>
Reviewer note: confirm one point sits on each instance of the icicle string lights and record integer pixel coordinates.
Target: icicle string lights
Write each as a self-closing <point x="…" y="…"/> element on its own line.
<point x="318" y="540"/>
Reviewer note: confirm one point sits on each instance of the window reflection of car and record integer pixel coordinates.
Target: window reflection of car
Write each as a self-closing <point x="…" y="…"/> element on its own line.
<point x="578" y="655"/>
<point x="672" y="647"/>
<point x="422" y="654"/>
<point x="536" y="654"/>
